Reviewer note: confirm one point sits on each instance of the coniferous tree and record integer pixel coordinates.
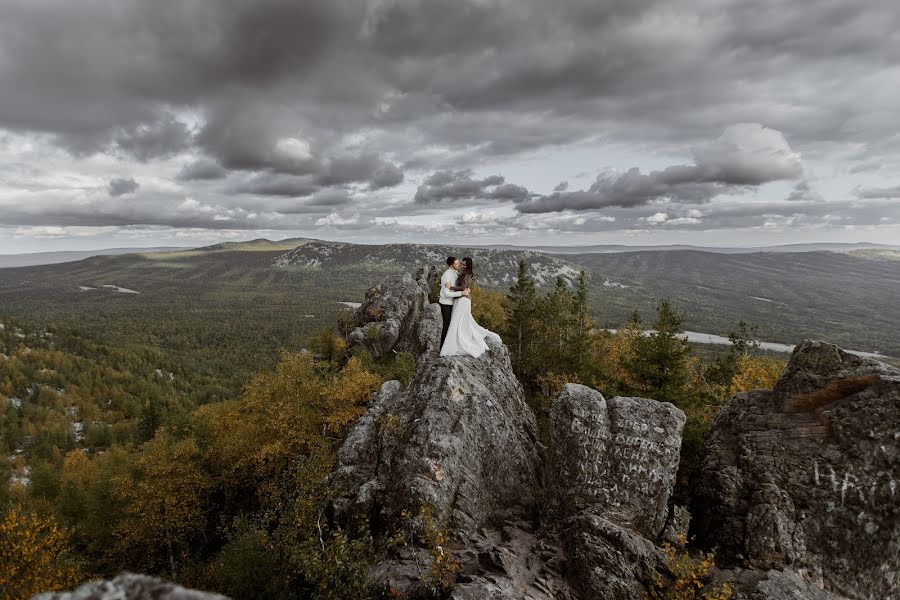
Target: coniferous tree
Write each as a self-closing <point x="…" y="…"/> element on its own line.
<point x="520" y="304"/>
<point x="658" y="363"/>
<point x="583" y="328"/>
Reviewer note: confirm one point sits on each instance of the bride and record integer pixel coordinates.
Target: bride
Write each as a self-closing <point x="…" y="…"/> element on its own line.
<point x="464" y="335"/>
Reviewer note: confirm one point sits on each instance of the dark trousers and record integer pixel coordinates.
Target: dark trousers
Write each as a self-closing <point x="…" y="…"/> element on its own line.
<point x="446" y="311"/>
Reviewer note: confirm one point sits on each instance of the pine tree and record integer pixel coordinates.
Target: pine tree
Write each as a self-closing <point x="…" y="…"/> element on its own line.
<point x="558" y="324"/>
<point x="583" y="327"/>
<point x="520" y="304"/>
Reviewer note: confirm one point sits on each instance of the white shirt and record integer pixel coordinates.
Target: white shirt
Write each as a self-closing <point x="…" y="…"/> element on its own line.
<point x="447" y="296"/>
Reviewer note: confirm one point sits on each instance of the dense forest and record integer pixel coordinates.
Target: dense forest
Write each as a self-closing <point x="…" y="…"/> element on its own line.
<point x="121" y="457"/>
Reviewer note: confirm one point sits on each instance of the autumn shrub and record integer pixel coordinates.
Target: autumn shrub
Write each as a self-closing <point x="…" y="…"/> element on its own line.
<point x="393" y="365"/>
<point x="436" y="537"/>
<point x="335" y="565"/>
<point x="686" y="578"/>
<point x="34" y="555"/>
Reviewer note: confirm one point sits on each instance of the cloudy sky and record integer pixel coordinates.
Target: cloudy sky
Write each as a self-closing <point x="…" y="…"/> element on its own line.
<point x="709" y="122"/>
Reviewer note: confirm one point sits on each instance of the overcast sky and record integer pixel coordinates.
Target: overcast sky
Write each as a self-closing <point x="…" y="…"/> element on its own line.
<point x="709" y="122"/>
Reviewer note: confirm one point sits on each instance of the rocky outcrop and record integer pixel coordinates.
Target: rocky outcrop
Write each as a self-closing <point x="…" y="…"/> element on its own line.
<point x="459" y="437"/>
<point x="616" y="457"/>
<point x="797" y="488"/>
<point x="579" y="522"/>
<point x="392" y="315"/>
<point x="806" y="475"/>
<point x="129" y="586"/>
<point x="610" y="471"/>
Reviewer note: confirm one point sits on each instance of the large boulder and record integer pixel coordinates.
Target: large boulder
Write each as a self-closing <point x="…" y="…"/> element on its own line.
<point x="807" y="475"/>
<point x="460" y="437"/>
<point x="616" y="457"/>
<point x="611" y="467"/>
<point x="391" y="314"/>
<point x="129" y="586"/>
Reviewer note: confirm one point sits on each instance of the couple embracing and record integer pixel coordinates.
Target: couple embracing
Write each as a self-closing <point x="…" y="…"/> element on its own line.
<point x="460" y="334"/>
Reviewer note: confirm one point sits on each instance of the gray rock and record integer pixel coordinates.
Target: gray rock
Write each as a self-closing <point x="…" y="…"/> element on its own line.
<point x="391" y="313"/>
<point x="460" y="437"/>
<point x="129" y="586"/>
<point x="677" y="525"/>
<point x="807" y="475"/>
<point x="616" y="457"/>
<point x="608" y="561"/>
<point x="512" y="562"/>
<point x="789" y="585"/>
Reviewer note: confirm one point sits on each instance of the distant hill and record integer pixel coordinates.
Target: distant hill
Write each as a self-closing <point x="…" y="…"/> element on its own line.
<point x="49" y="258"/>
<point x="833" y="247"/>
<point x="824" y="295"/>
<point x="270" y="293"/>
<point x="494" y="268"/>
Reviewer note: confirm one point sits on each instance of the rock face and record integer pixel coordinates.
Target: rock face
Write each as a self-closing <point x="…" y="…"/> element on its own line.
<point x="617" y="457"/>
<point x="807" y="475"/>
<point x="459" y="437"/>
<point x="610" y="471"/>
<point x="128" y="586"/>
<point x="391" y="314"/>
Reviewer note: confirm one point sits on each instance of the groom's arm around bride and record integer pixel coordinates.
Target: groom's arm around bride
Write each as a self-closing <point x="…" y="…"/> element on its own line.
<point x="447" y="297"/>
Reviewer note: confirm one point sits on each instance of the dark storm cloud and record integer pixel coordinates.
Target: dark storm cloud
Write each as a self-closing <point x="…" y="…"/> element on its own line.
<point x="158" y="139"/>
<point x="745" y="155"/>
<point x="121" y="186"/>
<point x="461" y="185"/>
<point x="329" y="198"/>
<point x="386" y="176"/>
<point x="81" y="70"/>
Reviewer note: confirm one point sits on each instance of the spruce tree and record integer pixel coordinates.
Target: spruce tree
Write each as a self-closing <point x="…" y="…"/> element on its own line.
<point x="583" y="325"/>
<point x="659" y="361"/>
<point x="520" y="304"/>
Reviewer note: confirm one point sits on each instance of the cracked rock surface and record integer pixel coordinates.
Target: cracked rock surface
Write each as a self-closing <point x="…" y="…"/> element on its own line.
<point x="806" y="475"/>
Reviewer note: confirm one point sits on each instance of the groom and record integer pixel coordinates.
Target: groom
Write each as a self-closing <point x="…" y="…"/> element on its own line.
<point x="447" y="297"/>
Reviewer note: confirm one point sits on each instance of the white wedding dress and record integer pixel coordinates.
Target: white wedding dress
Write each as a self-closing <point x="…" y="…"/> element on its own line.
<point x="464" y="335"/>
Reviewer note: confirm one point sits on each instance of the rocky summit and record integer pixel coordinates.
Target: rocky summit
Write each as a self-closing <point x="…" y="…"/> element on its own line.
<point x="797" y="488"/>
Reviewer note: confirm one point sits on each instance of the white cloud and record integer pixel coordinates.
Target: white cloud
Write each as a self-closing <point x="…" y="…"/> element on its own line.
<point x="337" y="219"/>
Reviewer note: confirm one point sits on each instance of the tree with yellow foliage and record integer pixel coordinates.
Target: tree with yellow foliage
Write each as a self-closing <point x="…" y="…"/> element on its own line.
<point x="487" y="309"/>
<point x="34" y="556"/>
<point x="164" y="500"/>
